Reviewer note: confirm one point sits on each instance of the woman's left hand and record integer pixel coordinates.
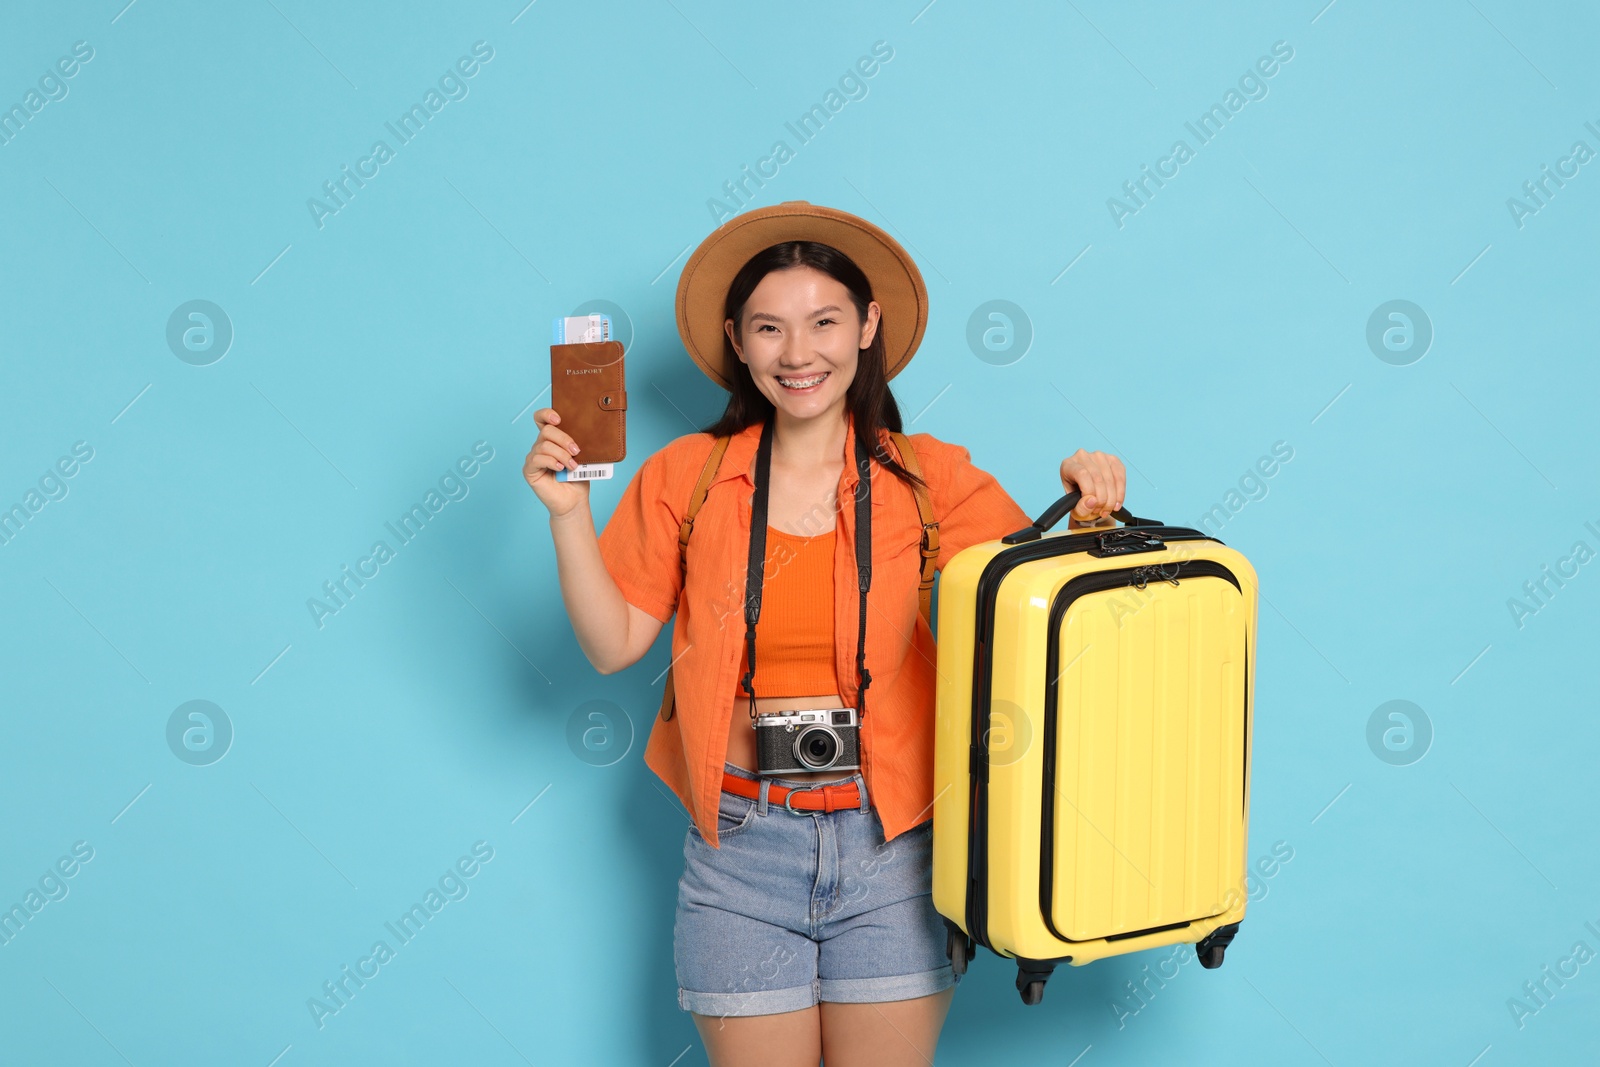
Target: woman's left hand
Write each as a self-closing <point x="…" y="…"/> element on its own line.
<point x="1100" y="477"/>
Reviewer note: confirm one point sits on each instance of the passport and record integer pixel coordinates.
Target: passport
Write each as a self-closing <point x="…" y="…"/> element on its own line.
<point x="588" y="390"/>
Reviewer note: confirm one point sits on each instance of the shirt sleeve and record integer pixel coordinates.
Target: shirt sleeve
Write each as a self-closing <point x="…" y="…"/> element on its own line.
<point x="969" y="502"/>
<point x="640" y="541"/>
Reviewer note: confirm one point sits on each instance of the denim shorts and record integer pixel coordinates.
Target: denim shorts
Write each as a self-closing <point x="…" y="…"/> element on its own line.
<point x="805" y="906"/>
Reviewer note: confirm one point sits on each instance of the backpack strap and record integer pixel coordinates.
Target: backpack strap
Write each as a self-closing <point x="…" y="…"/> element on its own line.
<point x="698" y="497"/>
<point x="930" y="525"/>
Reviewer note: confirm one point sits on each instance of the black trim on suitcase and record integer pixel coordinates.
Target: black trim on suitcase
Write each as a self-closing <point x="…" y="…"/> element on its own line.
<point x="1141" y="933"/>
<point x="1097" y="582"/>
<point x="994" y="572"/>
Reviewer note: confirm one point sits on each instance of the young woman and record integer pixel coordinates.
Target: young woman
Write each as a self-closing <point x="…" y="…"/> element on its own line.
<point x="805" y="926"/>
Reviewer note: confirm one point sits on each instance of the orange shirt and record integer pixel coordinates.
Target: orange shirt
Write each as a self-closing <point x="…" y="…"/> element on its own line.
<point x="640" y="548"/>
<point x="794" y="636"/>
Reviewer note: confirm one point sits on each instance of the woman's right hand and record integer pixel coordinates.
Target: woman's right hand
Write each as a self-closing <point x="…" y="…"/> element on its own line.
<point x="553" y="450"/>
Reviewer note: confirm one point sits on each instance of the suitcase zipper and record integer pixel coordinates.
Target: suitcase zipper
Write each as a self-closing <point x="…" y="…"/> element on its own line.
<point x="1078" y="587"/>
<point x="994" y="572"/>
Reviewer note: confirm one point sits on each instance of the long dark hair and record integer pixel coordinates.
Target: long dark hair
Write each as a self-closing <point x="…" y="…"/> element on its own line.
<point x="871" y="403"/>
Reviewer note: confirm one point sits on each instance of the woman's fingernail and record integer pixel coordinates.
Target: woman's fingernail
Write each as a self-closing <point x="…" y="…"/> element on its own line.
<point x="574" y="449"/>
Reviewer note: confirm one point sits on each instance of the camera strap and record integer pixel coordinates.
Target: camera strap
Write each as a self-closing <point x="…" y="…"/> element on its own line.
<point x="758" y="556"/>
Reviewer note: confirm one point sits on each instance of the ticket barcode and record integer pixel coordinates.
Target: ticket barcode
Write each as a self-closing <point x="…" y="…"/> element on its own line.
<point x="586" y="472"/>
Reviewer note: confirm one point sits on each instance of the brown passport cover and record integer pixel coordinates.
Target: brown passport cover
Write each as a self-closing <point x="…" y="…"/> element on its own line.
<point x="587" y="391"/>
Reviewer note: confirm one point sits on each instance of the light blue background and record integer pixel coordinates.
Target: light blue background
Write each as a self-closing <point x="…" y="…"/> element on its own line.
<point x="1228" y="314"/>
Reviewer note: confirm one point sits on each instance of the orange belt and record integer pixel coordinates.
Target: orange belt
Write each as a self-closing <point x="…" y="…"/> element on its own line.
<point x="835" y="796"/>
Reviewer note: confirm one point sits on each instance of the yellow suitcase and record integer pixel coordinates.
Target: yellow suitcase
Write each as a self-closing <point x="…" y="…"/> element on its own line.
<point x="1092" y="752"/>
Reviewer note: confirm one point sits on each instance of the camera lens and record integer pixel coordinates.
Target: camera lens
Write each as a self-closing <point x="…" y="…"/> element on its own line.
<point x="817" y="747"/>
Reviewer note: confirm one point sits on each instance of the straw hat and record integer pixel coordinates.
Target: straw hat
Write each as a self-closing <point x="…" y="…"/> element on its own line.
<point x="703" y="287"/>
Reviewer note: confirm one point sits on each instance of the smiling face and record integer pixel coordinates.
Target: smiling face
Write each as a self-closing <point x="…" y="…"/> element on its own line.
<point x="801" y="327"/>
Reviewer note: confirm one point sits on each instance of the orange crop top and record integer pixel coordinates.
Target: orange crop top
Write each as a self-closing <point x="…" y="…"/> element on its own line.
<point x="794" y="636"/>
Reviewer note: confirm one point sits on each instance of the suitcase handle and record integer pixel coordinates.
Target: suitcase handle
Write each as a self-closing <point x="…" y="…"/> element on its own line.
<point x="1057" y="511"/>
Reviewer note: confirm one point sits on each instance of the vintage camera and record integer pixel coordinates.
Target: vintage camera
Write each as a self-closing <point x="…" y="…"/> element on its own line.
<point x="826" y="739"/>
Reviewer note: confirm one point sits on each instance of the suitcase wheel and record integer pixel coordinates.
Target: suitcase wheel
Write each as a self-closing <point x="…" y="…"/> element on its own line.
<point x="1031" y="977"/>
<point x="1214" y="946"/>
<point x="959" y="947"/>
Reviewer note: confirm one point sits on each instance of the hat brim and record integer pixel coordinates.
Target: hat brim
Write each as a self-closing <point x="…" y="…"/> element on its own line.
<point x="897" y="284"/>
